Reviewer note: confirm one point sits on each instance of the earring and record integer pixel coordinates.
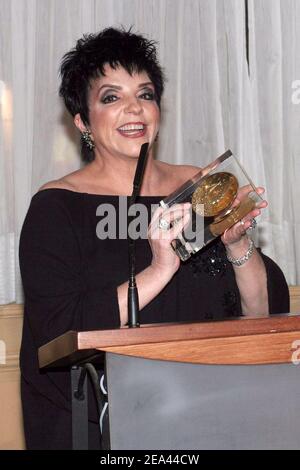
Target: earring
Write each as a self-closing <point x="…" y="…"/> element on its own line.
<point x="86" y="137"/>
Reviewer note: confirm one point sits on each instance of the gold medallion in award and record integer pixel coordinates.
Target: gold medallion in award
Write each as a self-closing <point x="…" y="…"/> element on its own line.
<point x="215" y="194"/>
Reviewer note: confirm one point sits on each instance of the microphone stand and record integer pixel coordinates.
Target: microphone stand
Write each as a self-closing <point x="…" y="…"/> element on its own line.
<point x="133" y="298"/>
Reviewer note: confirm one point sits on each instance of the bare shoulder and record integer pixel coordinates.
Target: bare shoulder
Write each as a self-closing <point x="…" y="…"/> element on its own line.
<point x="180" y="173"/>
<point x="57" y="184"/>
<point x="69" y="182"/>
<point x="187" y="171"/>
<point x="173" y="176"/>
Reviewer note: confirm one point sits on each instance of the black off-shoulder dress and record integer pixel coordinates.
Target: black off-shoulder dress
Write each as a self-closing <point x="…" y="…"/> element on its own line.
<point x="70" y="280"/>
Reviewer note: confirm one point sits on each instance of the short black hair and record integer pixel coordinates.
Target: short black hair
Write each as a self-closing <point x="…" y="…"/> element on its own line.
<point x="116" y="47"/>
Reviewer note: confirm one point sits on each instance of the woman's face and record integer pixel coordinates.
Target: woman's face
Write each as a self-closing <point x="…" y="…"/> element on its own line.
<point x="123" y="112"/>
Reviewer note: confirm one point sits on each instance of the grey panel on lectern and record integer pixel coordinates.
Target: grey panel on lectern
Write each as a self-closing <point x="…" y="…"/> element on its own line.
<point x="173" y="406"/>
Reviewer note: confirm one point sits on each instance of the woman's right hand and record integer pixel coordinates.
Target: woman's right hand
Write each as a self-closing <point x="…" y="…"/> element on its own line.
<point x="165" y="262"/>
<point x="164" y="259"/>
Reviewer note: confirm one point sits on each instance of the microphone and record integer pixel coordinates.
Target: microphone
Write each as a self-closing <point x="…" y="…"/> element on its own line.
<point x="133" y="297"/>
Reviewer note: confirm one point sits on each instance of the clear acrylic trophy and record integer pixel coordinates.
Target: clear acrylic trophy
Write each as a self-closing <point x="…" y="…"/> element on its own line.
<point x="221" y="194"/>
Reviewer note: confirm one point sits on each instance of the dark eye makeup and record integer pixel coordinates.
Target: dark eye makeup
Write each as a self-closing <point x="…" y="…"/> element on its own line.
<point x="146" y="94"/>
<point x="110" y="98"/>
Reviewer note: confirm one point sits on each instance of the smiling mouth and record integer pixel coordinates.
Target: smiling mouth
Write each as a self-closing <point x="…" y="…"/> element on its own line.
<point x="132" y="130"/>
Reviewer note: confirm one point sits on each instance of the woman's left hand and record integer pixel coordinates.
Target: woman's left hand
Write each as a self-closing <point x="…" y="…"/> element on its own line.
<point x="235" y="233"/>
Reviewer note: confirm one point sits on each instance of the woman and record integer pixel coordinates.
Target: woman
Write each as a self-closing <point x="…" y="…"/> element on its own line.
<point x="112" y="85"/>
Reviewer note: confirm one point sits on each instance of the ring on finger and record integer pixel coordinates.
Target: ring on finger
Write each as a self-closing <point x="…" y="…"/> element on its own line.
<point x="163" y="224"/>
<point x="252" y="225"/>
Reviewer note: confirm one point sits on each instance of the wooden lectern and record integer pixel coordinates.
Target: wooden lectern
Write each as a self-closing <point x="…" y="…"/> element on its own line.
<point x="231" y="384"/>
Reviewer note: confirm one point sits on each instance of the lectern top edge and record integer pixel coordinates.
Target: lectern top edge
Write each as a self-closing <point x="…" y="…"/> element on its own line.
<point x="74" y="347"/>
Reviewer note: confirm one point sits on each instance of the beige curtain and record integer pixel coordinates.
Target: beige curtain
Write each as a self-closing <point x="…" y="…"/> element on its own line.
<point x="213" y="101"/>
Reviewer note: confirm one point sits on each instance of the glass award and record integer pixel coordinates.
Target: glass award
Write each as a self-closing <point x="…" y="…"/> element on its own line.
<point x="221" y="194"/>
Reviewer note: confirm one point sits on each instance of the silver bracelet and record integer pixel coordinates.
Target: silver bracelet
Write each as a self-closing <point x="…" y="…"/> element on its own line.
<point x="243" y="259"/>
